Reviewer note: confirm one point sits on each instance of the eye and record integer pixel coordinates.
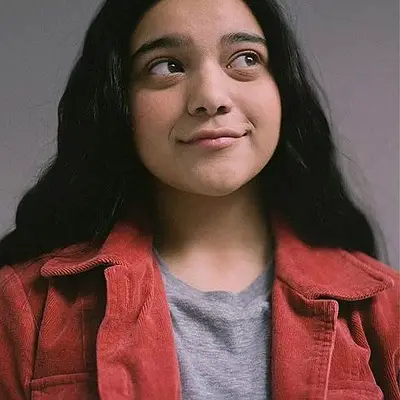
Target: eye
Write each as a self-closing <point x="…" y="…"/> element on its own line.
<point x="245" y="60"/>
<point x="165" y="67"/>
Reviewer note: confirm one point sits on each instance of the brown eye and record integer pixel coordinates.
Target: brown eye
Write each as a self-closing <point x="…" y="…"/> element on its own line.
<point x="165" y="68"/>
<point x="245" y="60"/>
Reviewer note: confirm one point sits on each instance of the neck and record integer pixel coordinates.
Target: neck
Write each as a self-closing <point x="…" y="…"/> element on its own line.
<point x="212" y="230"/>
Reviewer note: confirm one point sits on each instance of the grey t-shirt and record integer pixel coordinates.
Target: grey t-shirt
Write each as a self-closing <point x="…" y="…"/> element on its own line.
<point x="222" y="338"/>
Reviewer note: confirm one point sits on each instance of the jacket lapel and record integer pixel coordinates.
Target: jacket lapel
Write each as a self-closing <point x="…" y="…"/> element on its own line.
<point x="136" y="355"/>
<point x="309" y="284"/>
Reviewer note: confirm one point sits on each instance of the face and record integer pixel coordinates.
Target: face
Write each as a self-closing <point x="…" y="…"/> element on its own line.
<point x="206" y="111"/>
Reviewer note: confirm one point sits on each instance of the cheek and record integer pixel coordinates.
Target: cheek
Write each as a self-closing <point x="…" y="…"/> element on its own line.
<point x="154" y="115"/>
<point x="263" y="110"/>
<point x="149" y="111"/>
<point x="263" y="106"/>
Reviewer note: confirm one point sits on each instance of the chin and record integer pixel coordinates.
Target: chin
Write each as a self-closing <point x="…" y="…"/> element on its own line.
<point x="212" y="185"/>
<point x="216" y="189"/>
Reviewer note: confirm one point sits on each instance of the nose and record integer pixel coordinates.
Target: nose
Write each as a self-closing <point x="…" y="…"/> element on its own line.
<point x="209" y="92"/>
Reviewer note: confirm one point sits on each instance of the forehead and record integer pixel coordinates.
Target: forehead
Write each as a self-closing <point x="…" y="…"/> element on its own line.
<point x="203" y="20"/>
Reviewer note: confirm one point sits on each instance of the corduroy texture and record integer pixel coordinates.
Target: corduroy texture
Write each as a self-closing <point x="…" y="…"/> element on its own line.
<point x="99" y="327"/>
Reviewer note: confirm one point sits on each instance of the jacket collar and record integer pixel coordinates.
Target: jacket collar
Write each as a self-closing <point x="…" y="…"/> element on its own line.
<point x="327" y="273"/>
<point x="312" y="272"/>
<point x="124" y="246"/>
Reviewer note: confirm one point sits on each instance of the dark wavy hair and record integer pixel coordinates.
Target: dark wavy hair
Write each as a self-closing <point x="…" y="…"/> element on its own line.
<point x="96" y="177"/>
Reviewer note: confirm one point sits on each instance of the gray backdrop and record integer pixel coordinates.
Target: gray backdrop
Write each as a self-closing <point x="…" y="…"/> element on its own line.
<point x="353" y="46"/>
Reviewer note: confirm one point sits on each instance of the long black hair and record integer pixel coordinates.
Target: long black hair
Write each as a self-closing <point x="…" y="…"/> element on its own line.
<point x="96" y="177"/>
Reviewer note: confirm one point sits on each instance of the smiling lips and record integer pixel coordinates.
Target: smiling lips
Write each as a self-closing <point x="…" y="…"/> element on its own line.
<point x="216" y="138"/>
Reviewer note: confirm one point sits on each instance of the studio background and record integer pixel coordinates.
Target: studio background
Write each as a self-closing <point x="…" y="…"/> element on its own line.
<point x="352" y="45"/>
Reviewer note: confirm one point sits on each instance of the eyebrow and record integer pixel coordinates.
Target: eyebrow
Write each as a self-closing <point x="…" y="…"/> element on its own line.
<point x="181" y="41"/>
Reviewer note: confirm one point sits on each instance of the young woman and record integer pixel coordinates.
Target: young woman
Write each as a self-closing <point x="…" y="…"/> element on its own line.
<point x="193" y="238"/>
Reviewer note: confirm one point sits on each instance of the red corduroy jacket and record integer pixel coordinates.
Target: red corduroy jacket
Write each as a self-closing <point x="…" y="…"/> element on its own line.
<point x="99" y="326"/>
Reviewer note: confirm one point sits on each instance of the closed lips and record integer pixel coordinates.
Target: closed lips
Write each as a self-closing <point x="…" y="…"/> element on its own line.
<point x="214" y="134"/>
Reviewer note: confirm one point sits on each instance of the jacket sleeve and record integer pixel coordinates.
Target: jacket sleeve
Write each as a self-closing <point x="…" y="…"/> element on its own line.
<point x="386" y="342"/>
<point x="17" y="337"/>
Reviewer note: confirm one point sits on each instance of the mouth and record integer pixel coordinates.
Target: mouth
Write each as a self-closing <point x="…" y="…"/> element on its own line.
<point x="216" y="134"/>
<point x="215" y="140"/>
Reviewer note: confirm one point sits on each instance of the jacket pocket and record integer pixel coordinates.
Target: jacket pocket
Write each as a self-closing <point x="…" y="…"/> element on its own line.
<point x="77" y="386"/>
<point x="350" y="390"/>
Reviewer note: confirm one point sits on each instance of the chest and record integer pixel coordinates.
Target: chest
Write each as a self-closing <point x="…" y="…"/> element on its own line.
<point x="115" y="340"/>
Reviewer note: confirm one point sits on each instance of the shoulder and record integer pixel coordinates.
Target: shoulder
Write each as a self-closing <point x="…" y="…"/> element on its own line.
<point x="368" y="265"/>
<point x="374" y="265"/>
<point x="331" y="272"/>
<point x="385" y="305"/>
<point x="23" y="287"/>
<point x="26" y="274"/>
